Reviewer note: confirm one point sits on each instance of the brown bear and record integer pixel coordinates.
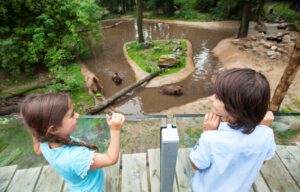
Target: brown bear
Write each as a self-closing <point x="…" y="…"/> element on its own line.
<point x="92" y="82"/>
<point x="171" y="90"/>
<point x="116" y="79"/>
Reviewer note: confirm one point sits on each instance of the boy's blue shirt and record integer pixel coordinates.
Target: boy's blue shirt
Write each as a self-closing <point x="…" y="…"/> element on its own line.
<point x="73" y="163"/>
<point x="230" y="160"/>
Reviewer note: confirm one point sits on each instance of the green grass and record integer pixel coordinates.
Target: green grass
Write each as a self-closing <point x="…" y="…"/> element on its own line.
<point x="147" y="59"/>
<point x="286" y="109"/>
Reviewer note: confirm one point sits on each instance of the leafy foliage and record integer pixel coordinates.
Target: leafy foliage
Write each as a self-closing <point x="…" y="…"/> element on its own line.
<point x="37" y="34"/>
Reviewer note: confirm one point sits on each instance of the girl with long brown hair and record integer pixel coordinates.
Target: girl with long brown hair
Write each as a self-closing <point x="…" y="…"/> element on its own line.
<point x="51" y="118"/>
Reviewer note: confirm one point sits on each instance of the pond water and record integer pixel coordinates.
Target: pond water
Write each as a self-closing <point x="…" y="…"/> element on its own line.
<point x="108" y="58"/>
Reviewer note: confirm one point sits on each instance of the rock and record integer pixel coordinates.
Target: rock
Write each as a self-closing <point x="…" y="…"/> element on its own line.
<point x="235" y="41"/>
<point x="267" y="45"/>
<point x="248" y="45"/>
<point x="166" y="61"/>
<point x="274" y="48"/>
<point x="172" y="90"/>
<point x="253" y="38"/>
<point x="286" y="39"/>
<point x="279" y="35"/>
<point x="280" y="50"/>
<point x="270" y="53"/>
<point x="273" y="57"/>
<point x="274" y="38"/>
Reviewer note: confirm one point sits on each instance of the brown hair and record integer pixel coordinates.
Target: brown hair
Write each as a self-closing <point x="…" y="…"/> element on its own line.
<point x="245" y="94"/>
<point x="39" y="112"/>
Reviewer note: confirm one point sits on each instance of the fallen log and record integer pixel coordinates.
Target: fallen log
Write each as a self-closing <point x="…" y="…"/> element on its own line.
<point x="110" y="100"/>
<point x="9" y="110"/>
<point x="24" y="89"/>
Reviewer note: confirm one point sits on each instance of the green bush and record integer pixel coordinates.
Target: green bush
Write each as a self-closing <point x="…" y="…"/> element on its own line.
<point x="37" y="34"/>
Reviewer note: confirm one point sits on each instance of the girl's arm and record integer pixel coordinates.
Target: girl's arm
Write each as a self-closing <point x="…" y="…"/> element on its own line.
<point x="112" y="155"/>
<point x="36" y="146"/>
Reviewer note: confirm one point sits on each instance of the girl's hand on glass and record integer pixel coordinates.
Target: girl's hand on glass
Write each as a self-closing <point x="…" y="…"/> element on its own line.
<point x="115" y="121"/>
<point x="211" y="122"/>
<point x="268" y="119"/>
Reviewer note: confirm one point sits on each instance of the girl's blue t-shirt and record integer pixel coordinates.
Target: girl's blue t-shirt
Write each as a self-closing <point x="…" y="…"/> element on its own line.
<point x="73" y="163"/>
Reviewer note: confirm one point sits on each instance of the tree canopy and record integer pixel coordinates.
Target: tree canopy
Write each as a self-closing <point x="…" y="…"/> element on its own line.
<point x="48" y="33"/>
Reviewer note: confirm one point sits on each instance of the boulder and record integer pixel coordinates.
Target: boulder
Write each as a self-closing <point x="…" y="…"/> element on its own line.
<point x="166" y="61"/>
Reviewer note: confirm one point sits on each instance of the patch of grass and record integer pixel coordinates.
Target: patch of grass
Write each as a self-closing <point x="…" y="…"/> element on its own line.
<point x="147" y="59"/>
<point x="286" y="109"/>
<point x="297" y="103"/>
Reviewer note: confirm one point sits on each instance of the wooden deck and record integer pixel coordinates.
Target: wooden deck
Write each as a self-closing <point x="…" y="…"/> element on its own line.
<point x="140" y="173"/>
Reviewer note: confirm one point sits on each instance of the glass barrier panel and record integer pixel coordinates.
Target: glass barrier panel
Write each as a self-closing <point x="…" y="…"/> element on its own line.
<point x="286" y="128"/>
<point x="138" y="134"/>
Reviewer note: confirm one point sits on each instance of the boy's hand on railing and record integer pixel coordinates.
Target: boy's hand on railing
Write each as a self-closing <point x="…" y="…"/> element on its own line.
<point x="115" y="122"/>
<point x="211" y="122"/>
<point x="268" y="119"/>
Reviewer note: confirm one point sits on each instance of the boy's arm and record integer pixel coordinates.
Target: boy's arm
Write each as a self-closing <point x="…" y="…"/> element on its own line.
<point x="268" y="119"/>
<point x="112" y="155"/>
<point x="36" y="146"/>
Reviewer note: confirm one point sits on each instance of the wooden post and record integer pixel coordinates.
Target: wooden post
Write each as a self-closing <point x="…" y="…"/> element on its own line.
<point x="287" y="77"/>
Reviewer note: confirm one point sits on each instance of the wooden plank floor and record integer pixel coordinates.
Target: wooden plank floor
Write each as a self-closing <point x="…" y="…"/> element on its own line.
<point x="141" y="172"/>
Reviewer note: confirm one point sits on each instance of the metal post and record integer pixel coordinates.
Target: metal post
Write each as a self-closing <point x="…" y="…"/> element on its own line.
<point x="168" y="156"/>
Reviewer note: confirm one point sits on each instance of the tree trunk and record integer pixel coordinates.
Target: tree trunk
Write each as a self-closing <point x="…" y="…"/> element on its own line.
<point x="287" y="77"/>
<point x="110" y="100"/>
<point x="243" y="31"/>
<point x="139" y="8"/>
<point x="169" y="7"/>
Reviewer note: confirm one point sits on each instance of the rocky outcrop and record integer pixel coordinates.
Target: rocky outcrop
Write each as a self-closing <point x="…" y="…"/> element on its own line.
<point x="167" y="61"/>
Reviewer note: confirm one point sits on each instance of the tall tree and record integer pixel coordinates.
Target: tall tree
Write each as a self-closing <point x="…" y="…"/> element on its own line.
<point x="139" y="8"/>
<point x="36" y="34"/>
<point x="244" y="26"/>
<point x="287" y="77"/>
<point x="169" y="7"/>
